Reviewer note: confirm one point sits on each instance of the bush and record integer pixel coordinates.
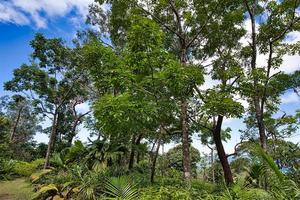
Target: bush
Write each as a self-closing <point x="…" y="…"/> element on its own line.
<point x="255" y="194"/>
<point x="38" y="163"/>
<point x="165" y="193"/>
<point x="23" y="168"/>
<point x="6" y="169"/>
<point x="143" y="167"/>
<point x="200" y="188"/>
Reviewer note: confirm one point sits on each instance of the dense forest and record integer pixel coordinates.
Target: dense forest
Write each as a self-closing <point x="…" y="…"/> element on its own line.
<point x="155" y="72"/>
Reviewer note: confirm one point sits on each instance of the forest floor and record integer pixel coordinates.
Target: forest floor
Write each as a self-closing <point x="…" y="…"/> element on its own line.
<point x="18" y="189"/>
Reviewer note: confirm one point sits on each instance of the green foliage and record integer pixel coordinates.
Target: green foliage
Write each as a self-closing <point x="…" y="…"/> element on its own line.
<point x="6" y="169"/>
<point x="15" y="168"/>
<point x="222" y="104"/>
<point x="174" y="158"/>
<point x="24" y="168"/>
<point x="181" y="80"/>
<point x="122" y="114"/>
<point x="121" y="188"/>
<point x="148" y="59"/>
<point x="165" y="193"/>
<point x="4" y="136"/>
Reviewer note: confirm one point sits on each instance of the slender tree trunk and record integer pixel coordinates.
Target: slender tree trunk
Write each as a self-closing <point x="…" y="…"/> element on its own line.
<point x="185" y="142"/>
<point x="73" y="131"/>
<point x="76" y="122"/>
<point x="137" y="143"/>
<point x="256" y="98"/>
<point x="51" y="140"/>
<point x="260" y="123"/>
<point x="131" y="156"/>
<point x="221" y="152"/>
<point x="14" y="129"/>
<point x="212" y="165"/>
<point x="154" y="160"/>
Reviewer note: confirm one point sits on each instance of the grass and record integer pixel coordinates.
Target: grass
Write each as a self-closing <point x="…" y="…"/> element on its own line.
<point x="18" y="189"/>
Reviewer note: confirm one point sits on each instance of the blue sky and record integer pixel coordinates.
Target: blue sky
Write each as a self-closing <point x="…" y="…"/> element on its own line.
<point x="21" y="19"/>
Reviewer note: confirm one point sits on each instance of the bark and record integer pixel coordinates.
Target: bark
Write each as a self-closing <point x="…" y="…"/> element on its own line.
<point x="221" y="152"/>
<point x="51" y="140"/>
<point x="73" y="131"/>
<point x="131" y="156"/>
<point x="154" y="160"/>
<point x="212" y="164"/>
<point x="14" y="129"/>
<point x="185" y="142"/>
<point x="138" y="142"/>
<point x="256" y="99"/>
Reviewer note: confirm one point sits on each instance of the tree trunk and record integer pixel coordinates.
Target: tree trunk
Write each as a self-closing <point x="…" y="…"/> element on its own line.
<point x="154" y="160"/>
<point x="185" y="142"/>
<point x="221" y="152"/>
<point x="260" y="124"/>
<point x="14" y="129"/>
<point x="131" y="156"/>
<point x="76" y="123"/>
<point x="256" y="98"/>
<point x="51" y="140"/>
<point x="137" y="143"/>
<point x="212" y="165"/>
<point x="73" y="131"/>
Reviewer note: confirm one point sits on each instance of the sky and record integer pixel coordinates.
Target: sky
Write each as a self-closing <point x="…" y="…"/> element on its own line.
<point x="21" y="19"/>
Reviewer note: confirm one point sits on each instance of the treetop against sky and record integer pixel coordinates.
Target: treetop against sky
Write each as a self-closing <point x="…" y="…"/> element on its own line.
<point x="21" y="19"/>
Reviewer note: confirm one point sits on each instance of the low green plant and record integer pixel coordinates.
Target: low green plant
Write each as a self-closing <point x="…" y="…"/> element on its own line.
<point x="122" y="187"/>
<point x="6" y="169"/>
<point x="22" y="168"/>
<point x="165" y="193"/>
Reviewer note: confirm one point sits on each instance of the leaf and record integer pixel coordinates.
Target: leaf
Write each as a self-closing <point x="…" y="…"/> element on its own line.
<point x="47" y="188"/>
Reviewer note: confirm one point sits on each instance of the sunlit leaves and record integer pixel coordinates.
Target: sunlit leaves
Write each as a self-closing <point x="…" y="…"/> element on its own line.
<point x="123" y="113"/>
<point x="219" y="103"/>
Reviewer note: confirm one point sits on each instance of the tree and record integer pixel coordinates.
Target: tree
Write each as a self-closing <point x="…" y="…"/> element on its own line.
<point x="280" y="19"/>
<point x="174" y="158"/>
<point x="48" y="81"/>
<point x="23" y="125"/>
<point x="120" y="29"/>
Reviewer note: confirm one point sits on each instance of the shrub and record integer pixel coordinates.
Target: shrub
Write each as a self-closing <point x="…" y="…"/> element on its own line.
<point x="143" y="167"/>
<point x="23" y="168"/>
<point x="200" y="188"/>
<point x="38" y="163"/>
<point x="6" y="169"/>
<point x="165" y="193"/>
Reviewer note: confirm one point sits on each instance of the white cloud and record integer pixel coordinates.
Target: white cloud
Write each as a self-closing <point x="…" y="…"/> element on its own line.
<point x="83" y="108"/>
<point x="8" y="14"/>
<point x="23" y="12"/>
<point x="290" y="97"/>
<point x="290" y="63"/>
<point x="292" y="37"/>
<point x="209" y="83"/>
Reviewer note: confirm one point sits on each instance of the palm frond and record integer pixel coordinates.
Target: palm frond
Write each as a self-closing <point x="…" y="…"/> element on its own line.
<point x="121" y="188"/>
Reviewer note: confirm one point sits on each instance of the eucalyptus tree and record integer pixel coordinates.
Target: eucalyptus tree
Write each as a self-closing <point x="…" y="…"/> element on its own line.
<point x="48" y="81"/>
<point x="268" y="35"/>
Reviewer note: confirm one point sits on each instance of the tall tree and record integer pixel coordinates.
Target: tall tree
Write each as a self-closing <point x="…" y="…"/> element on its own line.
<point x="267" y="37"/>
<point x="48" y="82"/>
